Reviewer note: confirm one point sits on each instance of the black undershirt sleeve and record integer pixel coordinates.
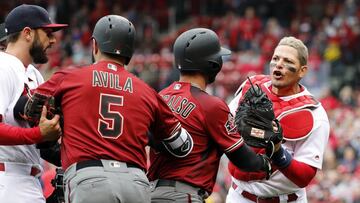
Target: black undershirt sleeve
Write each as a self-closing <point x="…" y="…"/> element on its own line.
<point x="246" y="159"/>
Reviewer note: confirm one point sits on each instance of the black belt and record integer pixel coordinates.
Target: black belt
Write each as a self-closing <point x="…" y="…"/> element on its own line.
<point x="98" y="163"/>
<point x="165" y="183"/>
<point x="172" y="183"/>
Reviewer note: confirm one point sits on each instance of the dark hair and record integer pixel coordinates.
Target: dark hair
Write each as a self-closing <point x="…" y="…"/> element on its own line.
<point x="13" y="37"/>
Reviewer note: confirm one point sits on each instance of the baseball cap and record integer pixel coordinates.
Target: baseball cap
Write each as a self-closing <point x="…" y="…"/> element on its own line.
<point x="31" y="16"/>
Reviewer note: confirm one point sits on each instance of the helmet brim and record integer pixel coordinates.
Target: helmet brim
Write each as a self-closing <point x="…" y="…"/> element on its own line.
<point x="224" y="51"/>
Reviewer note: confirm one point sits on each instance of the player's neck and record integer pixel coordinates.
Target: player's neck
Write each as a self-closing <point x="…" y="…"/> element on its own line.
<point x="19" y="52"/>
<point x="286" y="91"/>
<point x="195" y="80"/>
<point x="102" y="57"/>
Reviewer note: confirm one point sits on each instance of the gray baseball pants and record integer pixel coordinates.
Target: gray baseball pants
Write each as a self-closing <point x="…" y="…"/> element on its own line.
<point x="175" y="191"/>
<point x="105" y="181"/>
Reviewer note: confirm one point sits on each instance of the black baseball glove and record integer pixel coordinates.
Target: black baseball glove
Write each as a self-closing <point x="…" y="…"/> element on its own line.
<point x="49" y="150"/>
<point x="255" y="120"/>
<point x="29" y="108"/>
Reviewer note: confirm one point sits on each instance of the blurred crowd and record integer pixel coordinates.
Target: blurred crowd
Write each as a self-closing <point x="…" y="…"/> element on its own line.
<point x="251" y="29"/>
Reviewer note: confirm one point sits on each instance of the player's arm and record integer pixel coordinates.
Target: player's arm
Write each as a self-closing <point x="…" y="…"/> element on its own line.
<point x="46" y="131"/>
<point x="169" y="133"/>
<point x="298" y="172"/>
<point x="301" y="168"/>
<point x="180" y="143"/>
<point x="11" y="135"/>
<point x="247" y="160"/>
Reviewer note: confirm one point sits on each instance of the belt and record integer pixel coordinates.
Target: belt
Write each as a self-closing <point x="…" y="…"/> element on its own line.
<point x="98" y="163"/>
<point x="172" y="183"/>
<point x="165" y="183"/>
<point x="257" y="199"/>
<point x="33" y="172"/>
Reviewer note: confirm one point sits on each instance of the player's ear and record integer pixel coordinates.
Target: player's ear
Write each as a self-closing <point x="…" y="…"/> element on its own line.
<point x="27" y="32"/>
<point x="95" y="46"/>
<point x="303" y="71"/>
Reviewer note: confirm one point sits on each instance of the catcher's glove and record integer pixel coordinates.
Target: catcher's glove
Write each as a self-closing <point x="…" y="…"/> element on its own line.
<point x="255" y="120"/>
<point x="33" y="108"/>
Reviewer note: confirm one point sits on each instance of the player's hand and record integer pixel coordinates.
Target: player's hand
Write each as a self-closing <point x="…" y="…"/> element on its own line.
<point x="50" y="129"/>
<point x="279" y="141"/>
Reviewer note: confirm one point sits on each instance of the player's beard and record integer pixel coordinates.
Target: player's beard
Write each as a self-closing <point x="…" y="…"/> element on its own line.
<point x="37" y="51"/>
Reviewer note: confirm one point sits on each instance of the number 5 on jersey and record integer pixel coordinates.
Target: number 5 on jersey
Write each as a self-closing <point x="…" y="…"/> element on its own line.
<point x="110" y="123"/>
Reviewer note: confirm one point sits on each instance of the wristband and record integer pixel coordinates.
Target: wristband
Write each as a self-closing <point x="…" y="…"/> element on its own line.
<point x="282" y="158"/>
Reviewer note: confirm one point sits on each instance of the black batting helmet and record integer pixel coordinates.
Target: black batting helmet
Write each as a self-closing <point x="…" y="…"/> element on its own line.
<point x="115" y="35"/>
<point x="199" y="50"/>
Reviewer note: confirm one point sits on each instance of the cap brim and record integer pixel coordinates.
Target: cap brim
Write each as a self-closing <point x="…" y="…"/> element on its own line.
<point x="55" y="27"/>
<point x="225" y="51"/>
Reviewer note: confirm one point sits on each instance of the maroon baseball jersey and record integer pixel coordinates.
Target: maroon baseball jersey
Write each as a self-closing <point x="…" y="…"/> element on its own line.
<point x="107" y="114"/>
<point x="211" y="125"/>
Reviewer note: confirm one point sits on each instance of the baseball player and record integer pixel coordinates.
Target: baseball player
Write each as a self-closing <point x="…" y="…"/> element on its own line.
<point x="108" y="113"/>
<point x="207" y="118"/>
<point x="29" y="33"/>
<point x="305" y="129"/>
<point x="12" y="135"/>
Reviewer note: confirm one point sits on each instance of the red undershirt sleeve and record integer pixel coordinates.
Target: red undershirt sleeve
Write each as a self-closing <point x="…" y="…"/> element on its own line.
<point x="11" y="135"/>
<point x="299" y="173"/>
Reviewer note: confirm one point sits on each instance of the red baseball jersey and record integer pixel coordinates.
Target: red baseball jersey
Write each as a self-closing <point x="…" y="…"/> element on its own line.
<point x="211" y="125"/>
<point x="108" y="113"/>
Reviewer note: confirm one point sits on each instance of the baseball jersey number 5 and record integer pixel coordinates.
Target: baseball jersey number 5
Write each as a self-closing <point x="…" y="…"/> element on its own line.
<point x="110" y="123"/>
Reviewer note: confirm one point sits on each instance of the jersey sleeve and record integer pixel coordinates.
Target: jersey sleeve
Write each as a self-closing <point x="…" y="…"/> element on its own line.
<point x="165" y="122"/>
<point x="11" y="135"/>
<point x="221" y="126"/>
<point x="311" y="150"/>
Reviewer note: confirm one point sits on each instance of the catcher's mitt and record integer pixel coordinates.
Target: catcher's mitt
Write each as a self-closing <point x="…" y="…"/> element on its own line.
<point x="255" y="120"/>
<point x="33" y="108"/>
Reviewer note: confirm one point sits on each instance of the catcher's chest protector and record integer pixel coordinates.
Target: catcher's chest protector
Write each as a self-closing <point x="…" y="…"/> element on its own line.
<point x="295" y="115"/>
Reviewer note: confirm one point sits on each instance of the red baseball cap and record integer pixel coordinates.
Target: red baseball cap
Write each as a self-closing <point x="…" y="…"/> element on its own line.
<point x="31" y="16"/>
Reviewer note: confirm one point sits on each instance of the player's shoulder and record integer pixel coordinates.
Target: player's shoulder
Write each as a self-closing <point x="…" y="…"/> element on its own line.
<point x="209" y="102"/>
<point x="9" y="61"/>
<point x="75" y="71"/>
<point x="319" y="113"/>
